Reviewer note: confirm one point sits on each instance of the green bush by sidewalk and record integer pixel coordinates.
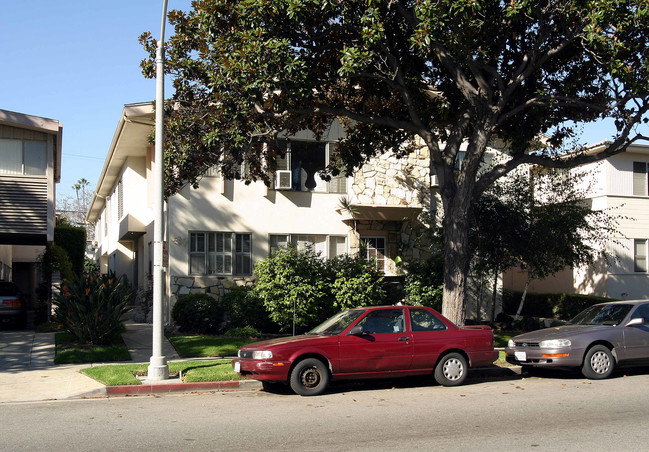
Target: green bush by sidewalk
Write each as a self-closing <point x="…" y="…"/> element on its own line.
<point x="91" y="307"/>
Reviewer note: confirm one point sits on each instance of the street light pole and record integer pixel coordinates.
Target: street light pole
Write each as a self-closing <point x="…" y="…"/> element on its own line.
<point x="158" y="368"/>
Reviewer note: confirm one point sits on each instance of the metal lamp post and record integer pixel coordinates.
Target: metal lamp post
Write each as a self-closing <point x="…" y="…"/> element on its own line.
<point x="158" y="368"/>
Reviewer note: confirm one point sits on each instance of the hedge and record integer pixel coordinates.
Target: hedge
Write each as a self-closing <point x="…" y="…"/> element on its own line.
<point x="549" y="305"/>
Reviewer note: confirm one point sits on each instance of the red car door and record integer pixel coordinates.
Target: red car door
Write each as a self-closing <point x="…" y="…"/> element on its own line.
<point x="383" y="346"/>
<point x="430" y="337"/>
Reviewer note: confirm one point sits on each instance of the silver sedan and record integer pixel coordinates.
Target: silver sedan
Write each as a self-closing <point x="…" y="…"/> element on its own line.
<point x="597" y="340"/>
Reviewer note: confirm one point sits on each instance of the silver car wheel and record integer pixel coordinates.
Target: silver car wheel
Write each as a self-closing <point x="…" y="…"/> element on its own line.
<point x="600" y="362"/>
<point x="453" y="369"/>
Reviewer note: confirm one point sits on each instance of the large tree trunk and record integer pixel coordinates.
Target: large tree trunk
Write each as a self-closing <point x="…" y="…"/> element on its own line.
<point x="456" y="266"/>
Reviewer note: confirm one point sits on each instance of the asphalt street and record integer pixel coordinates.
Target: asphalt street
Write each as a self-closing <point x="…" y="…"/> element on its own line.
<point x="555" y="412"/>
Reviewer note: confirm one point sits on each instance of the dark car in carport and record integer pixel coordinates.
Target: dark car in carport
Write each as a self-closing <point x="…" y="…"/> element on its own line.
<point x="13" y="306"/>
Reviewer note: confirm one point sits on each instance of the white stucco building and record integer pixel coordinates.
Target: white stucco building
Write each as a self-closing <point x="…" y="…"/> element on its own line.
<point x="621" y="186"/>
<point x="217" y="232"/>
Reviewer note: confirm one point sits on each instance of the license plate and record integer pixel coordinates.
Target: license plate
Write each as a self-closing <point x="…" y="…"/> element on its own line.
<point x="520" y="356"/>
<point x="237" y="366"/>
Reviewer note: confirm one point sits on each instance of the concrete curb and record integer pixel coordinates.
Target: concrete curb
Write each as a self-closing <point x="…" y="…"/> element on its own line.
<point x="179" y="387"/>
<point x="173" y="386"/>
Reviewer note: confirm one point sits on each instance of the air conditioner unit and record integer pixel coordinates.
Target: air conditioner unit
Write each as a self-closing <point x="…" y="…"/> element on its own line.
<point x="434" y="182"/>
<point x="283" y="179"/>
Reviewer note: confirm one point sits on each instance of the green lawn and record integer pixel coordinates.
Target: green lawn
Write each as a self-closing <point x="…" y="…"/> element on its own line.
<point x="501" y="339"/>
<point x="192" y="371"/>
<point x="69" y="352"/>
<point x="207" y="346"/>
<point x="187" y="347"/>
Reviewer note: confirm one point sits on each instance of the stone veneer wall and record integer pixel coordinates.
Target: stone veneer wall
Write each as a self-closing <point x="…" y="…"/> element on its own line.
<point x="390" y="181"/>
<point x="216" y="286"/>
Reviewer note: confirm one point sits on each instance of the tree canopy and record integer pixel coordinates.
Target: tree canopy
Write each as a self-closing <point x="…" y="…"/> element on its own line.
<point x="450" y="73"/>
<point x="545" y="224"/>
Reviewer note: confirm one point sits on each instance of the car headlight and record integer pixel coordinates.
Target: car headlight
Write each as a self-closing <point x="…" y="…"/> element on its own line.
<point x="511" y="344"/>
<point x="554" y="343"/>
<point x="262" y="354"/>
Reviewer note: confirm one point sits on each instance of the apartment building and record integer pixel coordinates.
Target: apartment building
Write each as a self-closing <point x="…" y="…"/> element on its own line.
<point x="30" y="167"/>
<point x="621" y="187"/>
<point x="216" y="233"/>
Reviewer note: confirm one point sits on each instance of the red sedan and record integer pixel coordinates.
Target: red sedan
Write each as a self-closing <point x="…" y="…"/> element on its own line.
<point x="372" y="342"/>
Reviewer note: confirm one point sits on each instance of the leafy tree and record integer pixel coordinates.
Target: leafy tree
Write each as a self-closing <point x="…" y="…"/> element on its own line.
<point x="449" y="74"/>
<point x="543" y="224"/>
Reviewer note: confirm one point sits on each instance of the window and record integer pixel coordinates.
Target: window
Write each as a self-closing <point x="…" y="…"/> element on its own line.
<point x="640" y="179"/>
<point x="424" y="320"/>
<point x="383" y="321"/>
<point x="220" y="253"/>
<point x="640" y="255"/>
<point x="329" y="245"/>
<point x="23" y="157"/>
<point x="304" y="159"/>
<point x="642" y="313"/>
<point x="374" y="250"/>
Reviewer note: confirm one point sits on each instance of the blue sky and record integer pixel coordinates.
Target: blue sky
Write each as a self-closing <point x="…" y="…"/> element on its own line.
<point x="77" y="61"/>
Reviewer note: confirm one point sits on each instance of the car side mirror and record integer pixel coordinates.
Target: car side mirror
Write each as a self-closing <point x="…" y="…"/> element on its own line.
<point x="635" y="322"/>
<point x="356" y="331"/>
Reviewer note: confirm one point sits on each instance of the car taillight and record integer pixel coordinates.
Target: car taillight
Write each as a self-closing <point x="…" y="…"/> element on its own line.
<point x="13" y="303"/>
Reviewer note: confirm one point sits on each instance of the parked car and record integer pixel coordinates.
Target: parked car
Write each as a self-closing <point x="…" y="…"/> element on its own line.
<point x="13" y="308"/>
<point x="371" y="342"/>
<point x="596" y="341"/>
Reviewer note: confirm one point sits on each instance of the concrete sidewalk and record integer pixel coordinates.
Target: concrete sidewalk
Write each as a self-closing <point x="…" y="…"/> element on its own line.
<point x="28" y="372"/>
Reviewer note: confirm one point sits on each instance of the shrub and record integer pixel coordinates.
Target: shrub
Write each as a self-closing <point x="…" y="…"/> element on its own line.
<point x="55" y="259"/>
<point x="569" y="305"/>
<point x="294" y="279"/>
<point x="91" y="307"/>
<point x="424" y="283"/>
<point x="246" y="331"/>
<point x="199" y="313"/>
<point x="548" y="305"/>
<point x="73" y="240"/>
<point x="355" y="283"/>
<point x="245" y="309"/>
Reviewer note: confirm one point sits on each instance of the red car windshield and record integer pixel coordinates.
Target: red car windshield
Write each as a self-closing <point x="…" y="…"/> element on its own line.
<point x="337" y="323"/>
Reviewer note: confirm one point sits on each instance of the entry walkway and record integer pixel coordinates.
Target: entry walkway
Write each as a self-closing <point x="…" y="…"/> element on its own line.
<point x="28" y="372"/>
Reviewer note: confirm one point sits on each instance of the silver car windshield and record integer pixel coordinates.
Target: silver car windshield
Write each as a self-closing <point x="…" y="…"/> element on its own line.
<point x="602" y="314"/>
<point x="337" y="323"/>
